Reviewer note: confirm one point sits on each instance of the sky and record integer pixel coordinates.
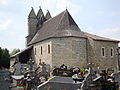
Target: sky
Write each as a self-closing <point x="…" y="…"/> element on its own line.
<point x="100" y="17"/>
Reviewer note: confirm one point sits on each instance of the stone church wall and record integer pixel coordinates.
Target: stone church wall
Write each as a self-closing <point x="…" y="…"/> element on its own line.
<point x="106" y="61"/>
<point x="70" y="51"/>
<point x="41" y="52"/>
<point x="90" y="50"/>
<point x="74" y="51"/>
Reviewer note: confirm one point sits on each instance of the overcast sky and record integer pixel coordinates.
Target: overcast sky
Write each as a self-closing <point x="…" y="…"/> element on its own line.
<point x="100" y="17"/>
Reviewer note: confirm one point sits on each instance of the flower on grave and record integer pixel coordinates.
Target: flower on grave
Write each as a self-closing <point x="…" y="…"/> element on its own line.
<point x="20" y="84"/>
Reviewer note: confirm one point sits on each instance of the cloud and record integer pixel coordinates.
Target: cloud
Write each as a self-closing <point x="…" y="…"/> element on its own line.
<point x="100" y="12"/>
<point x="111" y="32"/>
<point x="107" y="13"/>
<point x="3" y="2"/>
<point x="115" y="14"/>
<point x="90" y="28"/>
<point x="5" y="25"/>
<point x="63" y="4"/>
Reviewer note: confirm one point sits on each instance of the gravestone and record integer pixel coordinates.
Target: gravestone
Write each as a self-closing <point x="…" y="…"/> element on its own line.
<point x="31" y="63"/>
<point x="117" y="77"/>
<point x="59" y="83"/>
<point x="45" y="70"/>
<point x="17" y="68"/>
<point x="4" y="79"/>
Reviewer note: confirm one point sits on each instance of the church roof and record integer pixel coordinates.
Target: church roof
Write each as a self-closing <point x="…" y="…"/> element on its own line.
<point x="95" y="37"/>
<point x="40" y="13"/>
<point x="26" y="49"/>
<point x="61" y="25"/>
<point x="32" y="14"/>
<point x="48" y="15"/>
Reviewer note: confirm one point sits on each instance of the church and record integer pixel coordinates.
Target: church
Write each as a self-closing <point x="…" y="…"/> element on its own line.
<point x="59" y="40"/>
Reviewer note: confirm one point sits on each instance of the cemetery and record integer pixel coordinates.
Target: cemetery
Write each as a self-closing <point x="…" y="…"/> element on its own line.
<point x="59" y="56"/>
<point x="32" y="77"/>
<point x="59" y="40"/>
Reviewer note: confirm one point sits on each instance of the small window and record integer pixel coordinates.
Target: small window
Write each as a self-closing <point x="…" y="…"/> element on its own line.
<point x="41" y="50"/>
<point x="111" y="52"/>
<point x="103" y="51"/>
<point x="35" y="51"/>
<point x="48" y="48"/>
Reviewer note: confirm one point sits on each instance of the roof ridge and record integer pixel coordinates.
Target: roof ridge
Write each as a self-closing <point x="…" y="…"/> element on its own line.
<point x="97" y="37"/>
<point x="67" y="22"/>
<point x="61" y="19"/>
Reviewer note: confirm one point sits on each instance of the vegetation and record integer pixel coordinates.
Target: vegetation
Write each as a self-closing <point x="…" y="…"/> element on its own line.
<point x="4" y="58"/>
<point x="14" y="51"/>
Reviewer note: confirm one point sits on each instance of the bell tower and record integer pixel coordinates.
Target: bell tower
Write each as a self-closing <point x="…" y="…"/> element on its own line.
<point x="32" y="22"/>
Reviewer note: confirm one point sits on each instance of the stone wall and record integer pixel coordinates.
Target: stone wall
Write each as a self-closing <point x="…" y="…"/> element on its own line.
<point x="70" y="51"/>
<point x="90" y="50"/>
<point x="73" y="51"/>
<point x="106" y="61"/>
<point x="43" y="54"/>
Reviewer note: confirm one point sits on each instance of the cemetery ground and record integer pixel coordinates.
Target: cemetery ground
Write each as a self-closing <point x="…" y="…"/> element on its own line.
<point x="32" y="77"/>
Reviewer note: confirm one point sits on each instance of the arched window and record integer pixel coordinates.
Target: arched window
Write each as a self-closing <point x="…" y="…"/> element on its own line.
<point x="35" y="51"/>
<point x="111" y="52"/>
<point x="103" y="51"/>
<point x="48" y="48"/>
<point x="41" y="50"/>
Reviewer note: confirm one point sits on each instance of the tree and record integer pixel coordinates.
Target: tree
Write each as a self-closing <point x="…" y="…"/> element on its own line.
<point x="4" y="58"/>
<point x="14" y="51"/>
<point x="0" y="52"/>
<point x="0" y="56"/>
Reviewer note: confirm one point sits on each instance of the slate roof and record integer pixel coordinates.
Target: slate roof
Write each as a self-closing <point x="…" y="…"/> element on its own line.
<point x="61" y="25"/>
<point x="32" y="14"/>
<point x="26" y="49"/>
<point x="40" y="13"/>
<point x="95" y="37"/>
<point x="48" y="15"/>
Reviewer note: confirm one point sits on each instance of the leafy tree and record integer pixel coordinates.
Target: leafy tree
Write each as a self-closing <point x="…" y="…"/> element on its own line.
<point x="0" y="52"/>
<point x="14" y="51"/>
<point x="0" y="56"/>
<point x="4" y="58"/>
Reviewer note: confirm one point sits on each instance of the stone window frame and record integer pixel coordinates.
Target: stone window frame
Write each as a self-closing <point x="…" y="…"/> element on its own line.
<point x="111" y="53"/>
<point x="103" y="51"/>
